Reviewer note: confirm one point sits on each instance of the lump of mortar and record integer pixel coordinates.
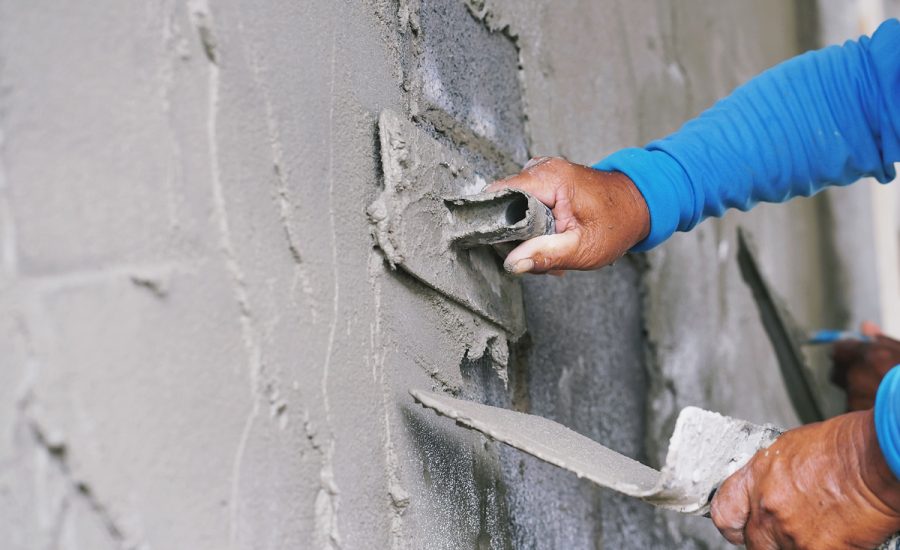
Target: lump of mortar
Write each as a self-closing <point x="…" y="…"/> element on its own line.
<point x="429" y="216"/>
<point x="704" y="450"/>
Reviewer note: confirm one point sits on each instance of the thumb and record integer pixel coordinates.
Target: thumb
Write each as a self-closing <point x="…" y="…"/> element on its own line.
<point x="869" y="328"/>
<point x="544" y="253"/>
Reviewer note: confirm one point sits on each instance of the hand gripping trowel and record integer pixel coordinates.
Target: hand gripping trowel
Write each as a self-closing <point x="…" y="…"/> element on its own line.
<point x="704" y="450"/>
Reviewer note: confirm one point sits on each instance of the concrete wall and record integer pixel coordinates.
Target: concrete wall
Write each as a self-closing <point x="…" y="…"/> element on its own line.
<point x="200" y="346"/>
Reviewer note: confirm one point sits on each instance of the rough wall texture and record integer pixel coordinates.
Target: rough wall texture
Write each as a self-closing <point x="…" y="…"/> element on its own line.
<point x="202" y="348"/>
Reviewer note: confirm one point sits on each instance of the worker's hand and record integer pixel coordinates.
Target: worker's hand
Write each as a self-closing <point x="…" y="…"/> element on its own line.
<point x="599" y="216"/>
<point x="859" y="366"/>
<point x="822" y="486"/>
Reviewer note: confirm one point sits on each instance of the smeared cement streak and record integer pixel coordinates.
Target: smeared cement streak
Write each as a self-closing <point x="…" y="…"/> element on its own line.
<point x="8" y="257"/>
<point x="704" y="450"/>
<point x="397" y="494"/>
<point x="201" y="17"/>
<point x="327" y="534"/>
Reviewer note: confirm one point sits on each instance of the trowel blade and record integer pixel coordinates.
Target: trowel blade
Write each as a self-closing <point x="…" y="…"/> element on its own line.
<point x="705" y="448"/>
<point x="783" y="333"/>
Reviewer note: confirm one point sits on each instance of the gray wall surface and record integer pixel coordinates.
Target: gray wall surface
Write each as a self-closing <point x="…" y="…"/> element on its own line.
<point x="201" y="347"/>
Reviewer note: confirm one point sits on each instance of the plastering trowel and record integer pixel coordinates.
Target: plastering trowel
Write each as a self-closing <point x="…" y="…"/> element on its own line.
<point x="704" y="450"/>
<point x="784" y="334"/>
<point x="432" y="221"/>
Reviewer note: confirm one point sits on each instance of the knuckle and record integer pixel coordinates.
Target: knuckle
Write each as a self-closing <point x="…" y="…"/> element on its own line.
<point x="769" y="507"/>
<point x="538" y="164"/>
<point x="544" y="261"/>
<point x="555" y="161"/>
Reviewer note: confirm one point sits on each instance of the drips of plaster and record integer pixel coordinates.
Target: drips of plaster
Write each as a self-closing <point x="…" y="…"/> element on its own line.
<point x="327" y="500"/>
<point x="201" y="18"/>
<point x="704" y="450"/>
<point x="285" y="206"/>
<point x="399" y="497"/>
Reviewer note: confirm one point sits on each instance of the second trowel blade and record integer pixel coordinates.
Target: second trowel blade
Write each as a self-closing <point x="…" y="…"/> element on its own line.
<point x="705" y="448"/>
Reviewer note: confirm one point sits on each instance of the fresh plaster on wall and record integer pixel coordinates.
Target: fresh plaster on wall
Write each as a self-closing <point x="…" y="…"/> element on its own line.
<point x="207" y="351"/>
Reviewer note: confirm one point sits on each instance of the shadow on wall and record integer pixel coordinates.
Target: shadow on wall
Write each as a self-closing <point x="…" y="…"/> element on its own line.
<point x="466" y="497"/>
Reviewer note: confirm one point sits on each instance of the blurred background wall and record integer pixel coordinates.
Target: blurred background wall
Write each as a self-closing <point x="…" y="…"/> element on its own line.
<point x="200" y="346"/>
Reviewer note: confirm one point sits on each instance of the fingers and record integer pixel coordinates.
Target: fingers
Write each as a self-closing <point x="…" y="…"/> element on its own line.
<point x="869" y="328"/>
<point x="760" y="535"/>
<point x="730" y="508"/>
<point x="543" y="254"/>
<point x="734" y="517"/>
<point x="845" y="355"/>
<point x="533" y="179"/>
<point x="535" y="161"/>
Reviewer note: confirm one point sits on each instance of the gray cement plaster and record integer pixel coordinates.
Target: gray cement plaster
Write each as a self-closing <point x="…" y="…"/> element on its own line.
<point x="468" y="77"/>
<point x="203" y="349"/>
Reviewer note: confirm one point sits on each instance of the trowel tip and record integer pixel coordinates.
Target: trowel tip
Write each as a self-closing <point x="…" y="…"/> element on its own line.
<point x="417" y="394"/>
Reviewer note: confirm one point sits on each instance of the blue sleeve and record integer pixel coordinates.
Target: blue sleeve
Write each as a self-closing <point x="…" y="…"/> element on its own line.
<point x="825" y="117"/>
<point x="887" y="419"/>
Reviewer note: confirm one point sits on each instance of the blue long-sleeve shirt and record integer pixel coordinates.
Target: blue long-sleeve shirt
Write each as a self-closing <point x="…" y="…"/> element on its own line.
<point x="827" y="117"/>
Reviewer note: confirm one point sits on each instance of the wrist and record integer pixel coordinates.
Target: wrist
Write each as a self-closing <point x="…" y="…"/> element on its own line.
<point x="638" y="214"/>
<point x="874" y="469"/>
<point x="641" y="210"/>
<point x="664" y="188"/>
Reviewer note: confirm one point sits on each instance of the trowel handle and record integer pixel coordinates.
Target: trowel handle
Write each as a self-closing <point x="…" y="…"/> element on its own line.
<point x="506" y="216"/>
<point x="830" y="336"/>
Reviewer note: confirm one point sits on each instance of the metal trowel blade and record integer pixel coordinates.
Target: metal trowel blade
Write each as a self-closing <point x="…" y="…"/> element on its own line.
<point x="705" y="448"/>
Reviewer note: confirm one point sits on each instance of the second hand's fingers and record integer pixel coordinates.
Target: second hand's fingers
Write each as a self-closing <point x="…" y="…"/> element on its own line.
<point x="543" y="254"/>
<point x="847" y="352"/>
<point x="730" y="508"/>
<point x="868" y="328"/>
<point x="761" y="533"/>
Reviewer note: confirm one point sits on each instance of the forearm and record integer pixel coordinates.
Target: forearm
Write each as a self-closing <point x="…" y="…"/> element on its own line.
<point x="826" y="117"/>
